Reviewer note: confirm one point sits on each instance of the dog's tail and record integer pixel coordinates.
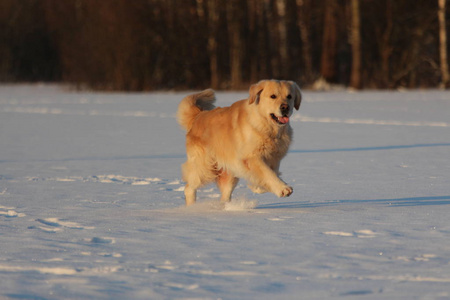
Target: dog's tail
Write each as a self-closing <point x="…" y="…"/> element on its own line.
<point x="192" y="105"/>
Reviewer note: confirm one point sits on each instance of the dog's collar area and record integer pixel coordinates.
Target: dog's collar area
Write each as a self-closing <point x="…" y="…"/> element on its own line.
<point x="280" y="120"/>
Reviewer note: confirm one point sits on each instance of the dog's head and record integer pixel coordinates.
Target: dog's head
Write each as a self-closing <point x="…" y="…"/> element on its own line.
<point x="276" y="99"/>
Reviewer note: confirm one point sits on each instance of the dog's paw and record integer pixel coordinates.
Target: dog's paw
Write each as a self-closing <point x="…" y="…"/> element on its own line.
<point x="286" y="192"/>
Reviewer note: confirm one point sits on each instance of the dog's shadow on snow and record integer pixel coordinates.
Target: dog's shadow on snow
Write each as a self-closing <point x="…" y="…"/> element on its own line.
<point x="395" y="202"/>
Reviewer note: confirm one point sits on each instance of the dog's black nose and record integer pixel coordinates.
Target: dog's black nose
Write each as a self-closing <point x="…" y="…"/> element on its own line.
<point x="284" y="108"/>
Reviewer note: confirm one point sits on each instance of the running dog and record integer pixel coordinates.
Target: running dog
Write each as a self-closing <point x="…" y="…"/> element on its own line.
<point x="245" y="140"/>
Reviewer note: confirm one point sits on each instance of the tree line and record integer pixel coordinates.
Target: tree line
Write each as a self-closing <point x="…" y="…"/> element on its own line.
<point x="177" y="44"/>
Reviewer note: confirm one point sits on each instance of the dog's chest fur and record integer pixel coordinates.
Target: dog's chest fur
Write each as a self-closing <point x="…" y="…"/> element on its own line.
<point x="275" y="146"/>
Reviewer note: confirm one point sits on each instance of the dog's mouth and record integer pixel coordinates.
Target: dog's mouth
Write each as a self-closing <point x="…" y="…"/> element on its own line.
<point x="283" y="120"/>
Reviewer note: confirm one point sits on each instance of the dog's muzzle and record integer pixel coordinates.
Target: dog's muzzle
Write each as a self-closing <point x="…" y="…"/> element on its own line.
<point x="284" y="109"/>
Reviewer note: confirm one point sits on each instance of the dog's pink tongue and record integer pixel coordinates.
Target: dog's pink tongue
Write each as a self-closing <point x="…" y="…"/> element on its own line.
<point x="283" y="120"/>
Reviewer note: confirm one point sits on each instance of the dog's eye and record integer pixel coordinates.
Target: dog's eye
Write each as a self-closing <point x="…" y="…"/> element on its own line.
<point x="273" y="96"/>
<point x="289" y="96"/>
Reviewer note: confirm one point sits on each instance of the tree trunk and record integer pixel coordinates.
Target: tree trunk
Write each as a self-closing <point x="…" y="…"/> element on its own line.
<point x="443" y="44"/>
<point x="262" y="40"/>
<point x="385" y="48"/>
<point x="329" y="43"/>
<point x="355" y="77"/>
<point x="282" y="37"/>
<point x="254" y="13"/>
<point x="233" y="20"/>
<point x="213" y="20"/>
<point x="303" y="9"/>
<point x="272" y="40"/>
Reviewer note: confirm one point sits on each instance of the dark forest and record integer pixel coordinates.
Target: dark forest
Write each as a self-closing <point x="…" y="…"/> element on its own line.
<point x="142" y="45"/>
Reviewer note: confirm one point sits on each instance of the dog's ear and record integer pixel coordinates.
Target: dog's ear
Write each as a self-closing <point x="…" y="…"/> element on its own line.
<point x="255" y="92"/>
<point x="298" y="95"/>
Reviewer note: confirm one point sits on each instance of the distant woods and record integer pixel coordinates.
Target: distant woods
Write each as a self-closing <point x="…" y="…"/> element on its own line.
<point x="226" y="44"/>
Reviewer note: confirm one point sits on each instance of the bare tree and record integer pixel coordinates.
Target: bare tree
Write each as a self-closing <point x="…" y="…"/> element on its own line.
<point x="385" y="48"/>
<point x="254" y="12"/>
<point x="303" y="12"/>
<point x="445" y="77"/>
<point x="213" y="24"/>
<point x="282" y="37"/>
<point x="355" y="77"/>
<point x="235" y="40"/>
<point x="272" y="39"/>
<point x="329" y="41"/>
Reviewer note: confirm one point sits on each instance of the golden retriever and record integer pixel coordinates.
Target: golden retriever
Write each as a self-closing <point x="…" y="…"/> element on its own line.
<point x="245" y="140"/>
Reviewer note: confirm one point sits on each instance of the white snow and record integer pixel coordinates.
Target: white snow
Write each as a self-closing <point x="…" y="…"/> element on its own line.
<point x="91" y="201"/>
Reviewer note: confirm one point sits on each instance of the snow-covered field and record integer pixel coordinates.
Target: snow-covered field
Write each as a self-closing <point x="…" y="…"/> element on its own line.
<point x="91" y="202"/>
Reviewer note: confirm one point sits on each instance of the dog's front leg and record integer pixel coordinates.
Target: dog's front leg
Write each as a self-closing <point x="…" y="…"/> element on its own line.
<point x="260" y="174"/>
<point x="259" y="189"/>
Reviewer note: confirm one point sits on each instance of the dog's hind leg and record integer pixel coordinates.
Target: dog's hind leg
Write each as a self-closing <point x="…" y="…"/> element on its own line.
<point x="190" y="194"/>
<point x="196" y="173"/>
<point x="193" y="182"/>
<point x="226" y="183"/>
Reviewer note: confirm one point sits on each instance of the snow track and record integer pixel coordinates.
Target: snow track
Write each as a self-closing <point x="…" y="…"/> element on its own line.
<point x="146" y="114"/>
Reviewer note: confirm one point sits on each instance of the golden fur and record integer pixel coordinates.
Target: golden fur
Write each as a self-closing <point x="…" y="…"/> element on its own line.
<point x="245" y="140"/>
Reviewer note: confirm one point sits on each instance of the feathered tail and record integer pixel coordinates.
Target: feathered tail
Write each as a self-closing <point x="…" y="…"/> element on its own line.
<point x="192" y="105"/>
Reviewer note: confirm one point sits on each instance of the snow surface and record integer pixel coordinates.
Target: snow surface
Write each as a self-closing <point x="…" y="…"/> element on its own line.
<point x="91" y="202"/>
